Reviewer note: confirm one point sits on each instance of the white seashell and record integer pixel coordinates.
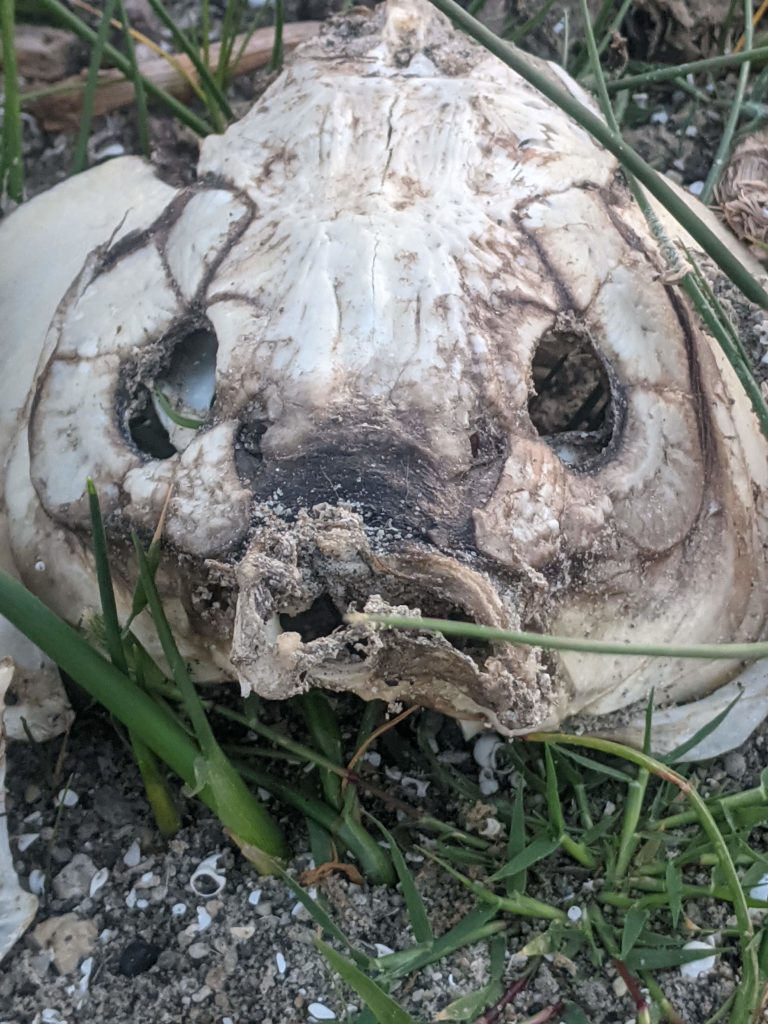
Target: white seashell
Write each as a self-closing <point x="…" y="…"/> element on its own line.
<point x="98" y="881"/>
<point x="701" y="966"/>
<point x="318" y="1011"/>
<point x="206" y="879"/>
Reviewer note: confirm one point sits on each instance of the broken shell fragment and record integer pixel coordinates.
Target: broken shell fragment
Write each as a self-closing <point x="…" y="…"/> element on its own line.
<point x="207" y="880"/>
<point x="405" y="346"/>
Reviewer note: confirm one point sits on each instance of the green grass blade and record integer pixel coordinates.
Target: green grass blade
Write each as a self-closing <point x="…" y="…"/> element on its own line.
<point x="539" y="849"/>
<point x="189" y="695"/>
<point x="550" y="642"/>
<point x="470" y="1006"/>
<point x="516" y="881"/>
<point x="159" y="795"/>
<point x="524" y="906"/>
<point x="321" y="917"/>
<point x="216" y="101"/>
<point x="11" y="164"/>
<point x="528" y="26"/>
<point x="674" y="889"/>
<point x="324" y="730"/>
<point x="235" y="805"/>
<point x="276" y="60"/>
<point x="628" y="838"/>
<point x="80" y="159"/>
<point x="382" y="1006"/>
<point x="634" y="922"/>
<point x="652" y="959"/>
<point x="417" y="912"/>
<point x="613" y="142"/>
<point x="140" y="94"/>
<point x="729" y="128"/>
<point x="694" y="67"/>
<point x="747" y="994"/>
<point x="679" y="752"/>
<point x="596" y="766"/>
<point x="477" y="925"/>
<point x="98" y="677"/>
<point x="374" y="861"/>
<point x="60" y="14"/>
<point x="190" y="422"/>
<point x="113" y="636"/>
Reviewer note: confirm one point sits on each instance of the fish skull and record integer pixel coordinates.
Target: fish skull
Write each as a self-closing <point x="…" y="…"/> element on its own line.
<point x="405" y="345"/>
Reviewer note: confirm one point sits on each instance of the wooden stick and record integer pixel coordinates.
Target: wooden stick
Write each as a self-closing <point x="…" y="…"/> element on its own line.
<point x="59" y="109"/>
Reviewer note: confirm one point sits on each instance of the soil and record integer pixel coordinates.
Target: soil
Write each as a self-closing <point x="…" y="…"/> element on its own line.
<point x="156" y="950"/>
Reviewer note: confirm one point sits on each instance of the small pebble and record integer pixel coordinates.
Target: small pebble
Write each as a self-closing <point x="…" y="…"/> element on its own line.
<point x="199" y="950"/>
<point x="575" y="913"/>
<point x="202" y="994"/>
<point x="254" y="896"/>
<point x="321" y="1012"/>
<point x="25" y="840"/>
<point x="73" y="882"/>
<point x="137" y="957"/>
<point x="37" y="881"/>
<point x="132" y="856"/>
<point x="735" y="764"/>
<point x="67" y="797"/>
<point x="281" y="964"/>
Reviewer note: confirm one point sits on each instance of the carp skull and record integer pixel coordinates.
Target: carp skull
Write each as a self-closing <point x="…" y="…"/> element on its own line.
<point x="405" y="345"/>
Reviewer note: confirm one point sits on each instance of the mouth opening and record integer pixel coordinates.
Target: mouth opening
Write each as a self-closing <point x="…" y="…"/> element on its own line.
<point x="323" y="618"/>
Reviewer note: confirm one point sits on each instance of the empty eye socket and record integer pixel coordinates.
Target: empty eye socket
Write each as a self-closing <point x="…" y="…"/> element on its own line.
<point x="572" y="404"/>
<point x="170" y="401"/>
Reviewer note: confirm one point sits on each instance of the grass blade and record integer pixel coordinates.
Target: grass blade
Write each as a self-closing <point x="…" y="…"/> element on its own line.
<point x="322" y="918"/>
<point x="80" y="159"/>
<point x="11" y="164"/>
<point x="551" y="642"/>
<point x="539" y="849"/>
<point x="417" y="913"/>
<point x="614" y="143"/>
<point x="634" y="922"/>
<point x="729" y="128"/>
<point x="60" y="14"/>
<point x="382" y="1006"/>
<point x="276" y="61"/>
<point x="142" y="116"/>
<point x="324" y="730"/>
<point x="113" y="635"/>
<point x="216" y="101"/>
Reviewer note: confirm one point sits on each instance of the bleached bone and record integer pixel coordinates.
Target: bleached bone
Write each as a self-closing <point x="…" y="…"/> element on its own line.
<point x="386" y="260"/>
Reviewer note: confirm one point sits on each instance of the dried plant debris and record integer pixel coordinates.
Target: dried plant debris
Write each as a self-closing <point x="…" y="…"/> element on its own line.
<point x="743" y="193"/>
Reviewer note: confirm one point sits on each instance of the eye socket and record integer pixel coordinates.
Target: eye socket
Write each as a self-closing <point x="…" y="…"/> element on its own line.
<point x="572" y="404"/>
<point x="169" y="402"/>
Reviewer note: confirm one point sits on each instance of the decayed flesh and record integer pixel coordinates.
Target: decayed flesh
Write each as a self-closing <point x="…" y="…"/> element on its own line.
<point x="447" y="374"/>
